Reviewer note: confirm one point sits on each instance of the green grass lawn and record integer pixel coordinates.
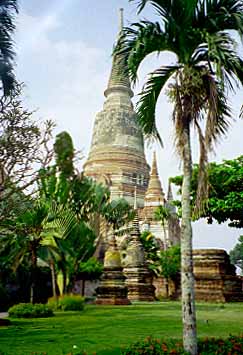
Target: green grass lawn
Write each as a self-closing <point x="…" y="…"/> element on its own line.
<point x="105" y="329"/>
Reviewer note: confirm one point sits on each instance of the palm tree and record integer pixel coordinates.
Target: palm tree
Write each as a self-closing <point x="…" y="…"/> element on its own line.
<point x="200" y="34"/>
<point x="25" y="234"/>
<point x="7" y="26"/>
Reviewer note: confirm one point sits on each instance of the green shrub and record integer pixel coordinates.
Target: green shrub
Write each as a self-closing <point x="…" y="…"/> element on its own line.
<point x="53" y="304"/>
<point x="29" y="310"/>
<point x="67" y="303"/>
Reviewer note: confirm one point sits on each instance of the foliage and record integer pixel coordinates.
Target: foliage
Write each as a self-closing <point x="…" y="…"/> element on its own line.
<point x="91" y="269"/>
<point x="152" y="346"/>
<point x="29" y="310"/>
<point x="225" y="197"/>
<point x="236" y="254"/>
<point x="66" y="303"/>
<point x="169" y="263"/>
<point x="162" y="214"/>
<point x="64" y="152"/>
<point x="151" y="249"/>
<point x="22" y="236"/>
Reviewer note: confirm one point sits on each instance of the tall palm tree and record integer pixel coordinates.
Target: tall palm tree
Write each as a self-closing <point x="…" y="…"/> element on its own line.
<point x="8" y="8"/>
<point x="200" y="34"/>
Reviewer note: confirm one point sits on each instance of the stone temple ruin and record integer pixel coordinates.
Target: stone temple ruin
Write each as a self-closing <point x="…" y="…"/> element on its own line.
<point x="117" y="159"/>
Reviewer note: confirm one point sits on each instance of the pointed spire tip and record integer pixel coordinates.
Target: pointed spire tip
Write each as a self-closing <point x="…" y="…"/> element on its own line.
<point x="121" y="19"/>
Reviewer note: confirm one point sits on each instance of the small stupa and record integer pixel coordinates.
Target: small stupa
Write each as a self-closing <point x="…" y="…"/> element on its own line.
<point x="138" y="276"/>
<point x="112" y="289"/>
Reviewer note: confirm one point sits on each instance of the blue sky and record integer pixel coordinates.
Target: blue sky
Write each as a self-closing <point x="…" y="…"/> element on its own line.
<point x="64" y="58"/>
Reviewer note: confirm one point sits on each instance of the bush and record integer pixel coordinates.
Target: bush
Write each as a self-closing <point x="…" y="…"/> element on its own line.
<point x="29" y="310"/>
<point x="151" y="346"/>
<point x="67" y="303"/>
<point x="232" y="345"/>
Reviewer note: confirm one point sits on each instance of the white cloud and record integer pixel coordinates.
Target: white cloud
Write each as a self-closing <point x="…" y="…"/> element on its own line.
<point x="63" y="78"/>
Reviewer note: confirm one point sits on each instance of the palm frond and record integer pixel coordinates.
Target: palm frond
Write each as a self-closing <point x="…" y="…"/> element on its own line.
<point x="228" y="65"/>
<point x="162" y="6"/>
<point x="8" y="9"/>
<point x="138" y="41"/>
<point x="219" y="114"/>
<point x="7" y="77"/>
<point x="9" y="4"/>
<point x="219" y="15"/>
<point x="59" y="221"/>
<point x="148" y="99"/>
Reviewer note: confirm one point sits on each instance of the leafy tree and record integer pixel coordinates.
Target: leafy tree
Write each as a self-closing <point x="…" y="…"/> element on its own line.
<point x="199" y="33"/>
<point x="169" y="265"/>
<point x="225" y="197"/>
<point x="236" y="254"/>
<point x="8" y="8"/>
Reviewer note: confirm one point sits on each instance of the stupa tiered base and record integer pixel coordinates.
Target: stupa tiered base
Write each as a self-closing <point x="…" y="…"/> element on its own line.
<point x="112" y="289"/>
<point x="139" y="284"/>
<point x="215" y="277"/>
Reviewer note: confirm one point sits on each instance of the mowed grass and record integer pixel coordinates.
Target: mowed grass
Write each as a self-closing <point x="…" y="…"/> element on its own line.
<point x="105" y="329"/>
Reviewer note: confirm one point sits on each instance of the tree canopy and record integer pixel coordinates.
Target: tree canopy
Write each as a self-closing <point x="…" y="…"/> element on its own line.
<point x="225" y="195"/>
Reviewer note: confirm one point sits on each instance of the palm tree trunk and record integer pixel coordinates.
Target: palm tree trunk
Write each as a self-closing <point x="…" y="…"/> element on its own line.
<point x="187" y="277"/>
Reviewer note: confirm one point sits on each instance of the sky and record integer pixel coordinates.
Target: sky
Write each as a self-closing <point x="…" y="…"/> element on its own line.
<point x="64" y="58"/>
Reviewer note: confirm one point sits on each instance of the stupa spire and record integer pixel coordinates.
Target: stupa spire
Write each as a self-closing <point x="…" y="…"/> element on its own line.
<point x="154" y="192"/>
<point x="169" y="193"/>
<point x="119" y="80"/>
<point x="121" y="18"/>
<point x="170" y="199"/>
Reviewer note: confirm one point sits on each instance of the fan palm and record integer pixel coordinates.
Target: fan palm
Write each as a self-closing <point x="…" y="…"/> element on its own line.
<point x="201" y="35"/>
<point x="7" y="10"/>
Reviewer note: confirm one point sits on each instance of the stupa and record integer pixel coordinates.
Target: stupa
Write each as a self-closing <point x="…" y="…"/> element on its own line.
<point x="112" y="289"/>
<point x="116" y="156"/>
<point x="138" y="276"/>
